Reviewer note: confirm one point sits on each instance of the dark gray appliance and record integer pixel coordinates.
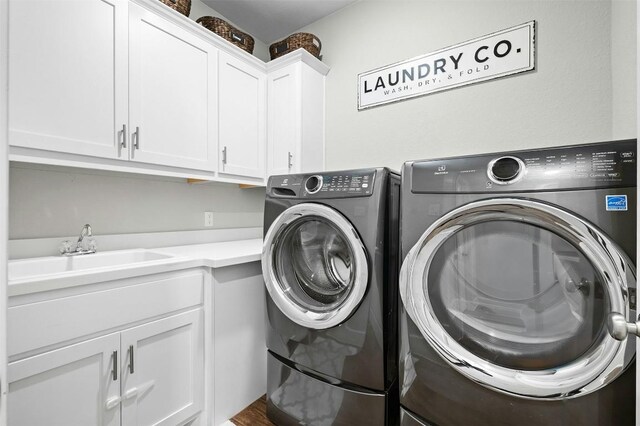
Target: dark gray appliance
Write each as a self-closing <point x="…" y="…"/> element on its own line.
<point x="331" y="270"/>
<point x="513" y="265"/>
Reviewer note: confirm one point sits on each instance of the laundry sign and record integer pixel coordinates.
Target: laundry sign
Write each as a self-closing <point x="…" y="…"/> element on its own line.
<point x="503" y="53"/>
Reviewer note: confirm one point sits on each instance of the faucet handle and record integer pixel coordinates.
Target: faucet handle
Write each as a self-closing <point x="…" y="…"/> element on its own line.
<point x="65" y="247"/>
<point x="91" y="244"/>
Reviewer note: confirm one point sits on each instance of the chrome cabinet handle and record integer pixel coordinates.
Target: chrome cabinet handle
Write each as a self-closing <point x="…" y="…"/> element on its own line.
<point x="136" y="135"/>
<point x="290" y="161"/>
<point x="619" y="328"/>
<point x="114" y="371"/>
<point x="224" y="155"/>
<point x="131" y="369"/>
<point x="123" y="144"/>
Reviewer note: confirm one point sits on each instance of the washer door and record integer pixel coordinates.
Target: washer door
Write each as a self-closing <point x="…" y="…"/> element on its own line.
<point x="516" y="294"/>
<point x="314" y="265"/>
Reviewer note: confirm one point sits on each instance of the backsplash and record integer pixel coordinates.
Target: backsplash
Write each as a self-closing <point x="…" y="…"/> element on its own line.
<point x="49" y="201"/>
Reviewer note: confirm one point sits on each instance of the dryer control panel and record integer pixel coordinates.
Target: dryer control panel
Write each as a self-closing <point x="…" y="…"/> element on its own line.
<point x="343" y="184"/>
<point x="602" y="165"/>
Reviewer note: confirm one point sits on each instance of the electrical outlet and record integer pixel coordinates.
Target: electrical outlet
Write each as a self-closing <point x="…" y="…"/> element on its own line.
<point x="208" y="219"/>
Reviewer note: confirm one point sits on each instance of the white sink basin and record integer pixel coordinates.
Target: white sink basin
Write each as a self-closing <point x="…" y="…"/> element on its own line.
<point x="28" y="268"/>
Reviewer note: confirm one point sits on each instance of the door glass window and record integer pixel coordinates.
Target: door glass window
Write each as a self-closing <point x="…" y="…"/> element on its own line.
<point x="517" y="295"/>
<point x="314" y="263"/>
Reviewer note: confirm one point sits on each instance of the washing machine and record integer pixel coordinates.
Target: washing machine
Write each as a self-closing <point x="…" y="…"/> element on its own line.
<point x="517" y="271"/>
<point x="330" y="267"/>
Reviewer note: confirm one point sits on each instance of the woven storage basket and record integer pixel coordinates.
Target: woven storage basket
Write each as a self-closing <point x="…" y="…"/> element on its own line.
<point x="182" y="6"/>
<point x="228" y="32"/>
<point x="306" y="41"/>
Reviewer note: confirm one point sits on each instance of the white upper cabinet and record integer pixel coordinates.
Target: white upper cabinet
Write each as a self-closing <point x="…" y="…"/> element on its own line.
<point x="296" y="114"/>
<point x="133" y="86"/>
<point x="241" y="103"/>
<point x="284" y="131"/>
<point x="172" y="93"/>
<point x="68" y="75"/>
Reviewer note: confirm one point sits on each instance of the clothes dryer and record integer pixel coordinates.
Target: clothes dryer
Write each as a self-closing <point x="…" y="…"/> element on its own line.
<point x="330" y="267"/>
<point x="517" y="270"/>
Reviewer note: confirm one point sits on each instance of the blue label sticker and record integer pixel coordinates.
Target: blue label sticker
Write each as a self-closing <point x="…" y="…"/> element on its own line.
<point x="616" y="203"/>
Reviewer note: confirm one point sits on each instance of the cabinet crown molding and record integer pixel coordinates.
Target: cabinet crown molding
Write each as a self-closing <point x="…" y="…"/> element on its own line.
<point x="299" y="55"/>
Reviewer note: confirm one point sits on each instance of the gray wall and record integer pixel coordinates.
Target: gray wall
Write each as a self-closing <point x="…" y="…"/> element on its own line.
<point x="584" y="81"/>
<point x="49" y="201"/>
<point x="624" y="44"/>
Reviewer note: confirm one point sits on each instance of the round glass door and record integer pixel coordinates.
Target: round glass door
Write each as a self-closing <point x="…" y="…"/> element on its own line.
<point x="314" y="266"/>
<point x="516" y="295"/>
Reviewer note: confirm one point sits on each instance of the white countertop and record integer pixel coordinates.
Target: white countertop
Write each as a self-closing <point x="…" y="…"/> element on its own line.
<point x="211" y="255"/>
<point x="219" y="255"/>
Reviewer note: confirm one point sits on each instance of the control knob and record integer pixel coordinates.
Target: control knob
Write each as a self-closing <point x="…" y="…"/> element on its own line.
<point x="313" y="184"/>
<point x="505" y="170"/>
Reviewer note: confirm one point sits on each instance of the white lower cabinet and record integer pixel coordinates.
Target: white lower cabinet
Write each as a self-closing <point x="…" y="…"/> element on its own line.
<point x="127" y="352"/>
<point x="147" y="375"/>
<point x="240" y="352"/>
<point x="163" y="371"/>
<point x="65" y="387"/>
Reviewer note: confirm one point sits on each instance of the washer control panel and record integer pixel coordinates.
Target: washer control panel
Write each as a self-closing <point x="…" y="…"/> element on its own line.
<point x="345" y="184"/>
<point x="601" y="165"/>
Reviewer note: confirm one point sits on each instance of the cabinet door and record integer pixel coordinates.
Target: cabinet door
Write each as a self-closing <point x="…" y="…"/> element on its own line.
<point x="68" y="386"/>
<point x="163" y="371"/>
<point x="173" y="109"/>
<point x="240" y="354"/>
<point x="284" y="121"/>
<point x="242" y="118"/>
<point x="68" y="75"/>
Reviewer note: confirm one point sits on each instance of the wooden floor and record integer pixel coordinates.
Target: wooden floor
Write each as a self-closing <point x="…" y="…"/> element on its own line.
<point x="253" y="415"/>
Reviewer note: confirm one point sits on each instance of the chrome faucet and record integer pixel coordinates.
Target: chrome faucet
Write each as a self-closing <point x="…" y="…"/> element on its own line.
<point x="86" y="232"/>
<point x="66" y="246"/>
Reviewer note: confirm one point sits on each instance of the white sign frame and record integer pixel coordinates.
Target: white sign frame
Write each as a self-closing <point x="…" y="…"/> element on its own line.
<point x="515" y="41"/>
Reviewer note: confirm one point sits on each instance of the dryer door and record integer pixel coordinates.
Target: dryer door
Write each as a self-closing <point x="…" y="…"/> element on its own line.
<point x="314" y="265"/>
<point x="516" y="295"/>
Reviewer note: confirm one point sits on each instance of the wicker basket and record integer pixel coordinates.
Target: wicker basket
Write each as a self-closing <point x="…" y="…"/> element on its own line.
<point x="228" y="32"/>
<point x="182" y="6"/>
<point x="306" y="41"/>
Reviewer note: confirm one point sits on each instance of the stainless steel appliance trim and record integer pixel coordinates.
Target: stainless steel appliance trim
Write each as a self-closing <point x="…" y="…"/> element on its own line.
<point x="316" y="188"/>
<point x="595" y="369"/>
<point x="521" y="172"/>
<point x="279" y="291"/>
